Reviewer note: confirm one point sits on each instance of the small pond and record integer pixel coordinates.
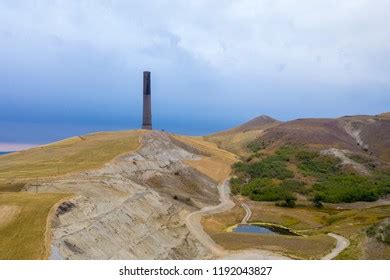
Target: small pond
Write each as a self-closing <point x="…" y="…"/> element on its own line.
<point x="262" y="229"/>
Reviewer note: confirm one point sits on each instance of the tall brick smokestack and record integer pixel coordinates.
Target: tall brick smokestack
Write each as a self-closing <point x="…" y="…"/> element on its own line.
<point x="147" y="112"/>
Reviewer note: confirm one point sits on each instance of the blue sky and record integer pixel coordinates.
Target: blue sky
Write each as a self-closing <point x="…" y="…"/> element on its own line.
<point x="72" y="67"/>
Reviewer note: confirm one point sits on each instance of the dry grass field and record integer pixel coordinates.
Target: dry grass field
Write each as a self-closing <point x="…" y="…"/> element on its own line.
<point x="236" y="142"/>
<point x="24" y="227"/>
<point x="296" y="247"/>
<point x="70" y="155"/>
<point x="216" y="163"/>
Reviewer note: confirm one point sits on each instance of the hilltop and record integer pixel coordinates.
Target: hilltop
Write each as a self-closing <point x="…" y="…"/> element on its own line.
<point x="237" y="138"/>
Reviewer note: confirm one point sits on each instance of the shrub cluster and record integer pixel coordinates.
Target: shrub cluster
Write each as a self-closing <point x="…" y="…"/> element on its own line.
<point x="314" y="164"/>
<point x="269" y="179"/>
<point x="347" y="188"/>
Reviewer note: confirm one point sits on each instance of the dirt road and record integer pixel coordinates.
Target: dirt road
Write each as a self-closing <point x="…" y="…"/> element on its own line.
<point x="248" y="213"/>
<point x="341" y="244"/>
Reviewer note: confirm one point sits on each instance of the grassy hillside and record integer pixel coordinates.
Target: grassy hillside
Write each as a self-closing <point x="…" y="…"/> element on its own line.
<point x="216" y="163"/>
<point x="70" y="155"/>
<point x="237" y="139"/>
<point x="24" y="232"/>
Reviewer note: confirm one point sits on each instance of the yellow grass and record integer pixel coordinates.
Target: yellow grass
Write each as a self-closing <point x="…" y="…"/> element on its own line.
<point x="235" y="142"/>
<point x="216" y="165"/>
<point x="296" y="218"/>
<point x="70" y="155"/>
<point x="297" y="247"/>
<point x="25" y="236"/>
<point x="8" y="213"/>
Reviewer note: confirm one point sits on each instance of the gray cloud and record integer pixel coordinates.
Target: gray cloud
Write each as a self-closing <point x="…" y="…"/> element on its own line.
<point x="85" y="57"/>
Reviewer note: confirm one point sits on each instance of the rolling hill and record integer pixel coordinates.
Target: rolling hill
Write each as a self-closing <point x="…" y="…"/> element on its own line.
<point x="367" y="135"/>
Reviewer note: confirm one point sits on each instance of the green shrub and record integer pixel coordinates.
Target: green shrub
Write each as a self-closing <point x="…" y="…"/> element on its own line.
<point x="306" y="155"/>
<point x="271" y="167"/>
<point x="311" y="163"/>
<point x="256" y="184"/>
<point x="288" y="202"/>
<point x="271" y="194"/>
<point x="264" y="189"/>
<point x="294" y="186"/>
<point x="258" y="145"/>
<point x="317" y="201"/>
<point x="386" y="234"/>
<point x="235" y="185"/>
<point x="346" y="188"/>
<point x="240" y="167"/>
<point x="286" y="152"/>
<point x="371" y="230"/>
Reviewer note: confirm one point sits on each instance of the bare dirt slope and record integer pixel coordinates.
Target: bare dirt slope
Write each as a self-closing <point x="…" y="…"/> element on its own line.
<point x="133" y="207"/>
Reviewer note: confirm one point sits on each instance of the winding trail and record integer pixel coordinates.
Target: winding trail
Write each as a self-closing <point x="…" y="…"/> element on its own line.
<point x="193" y="222"/>
<point x="341" y="244"/>
<point x="248" y="213"/>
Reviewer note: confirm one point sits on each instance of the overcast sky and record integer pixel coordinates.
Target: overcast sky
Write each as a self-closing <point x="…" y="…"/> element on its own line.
<point x="71" y="67"/>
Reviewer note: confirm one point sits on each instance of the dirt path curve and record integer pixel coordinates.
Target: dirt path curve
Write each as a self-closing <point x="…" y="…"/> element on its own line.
<point x="341" y="244"/>
<point x="193" y="222"/>
<point x="248" y="213"/>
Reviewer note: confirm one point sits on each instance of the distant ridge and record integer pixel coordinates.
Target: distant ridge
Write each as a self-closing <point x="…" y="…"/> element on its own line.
<point x="359" y="134"/>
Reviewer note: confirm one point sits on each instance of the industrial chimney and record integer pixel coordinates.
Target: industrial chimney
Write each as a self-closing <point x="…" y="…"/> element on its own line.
<point x="147" y="110"/>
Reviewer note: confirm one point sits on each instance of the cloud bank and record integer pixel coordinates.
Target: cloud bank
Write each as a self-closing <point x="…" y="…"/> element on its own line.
<point x="214" y="63"/>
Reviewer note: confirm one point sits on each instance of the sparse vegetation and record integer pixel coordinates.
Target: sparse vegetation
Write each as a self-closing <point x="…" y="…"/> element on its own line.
<point x="258" y="145"/>
<point x="380" y="231"/>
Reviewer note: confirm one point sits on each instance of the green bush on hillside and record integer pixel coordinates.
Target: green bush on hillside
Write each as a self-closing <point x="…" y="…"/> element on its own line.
<point x="265" y="189"/>
<point x="294" y="186"/>
<point x="235" y="185"/>
<point x="314" y="164"/>
<point x="346" y="188"/>
<point x="271" y="167"/>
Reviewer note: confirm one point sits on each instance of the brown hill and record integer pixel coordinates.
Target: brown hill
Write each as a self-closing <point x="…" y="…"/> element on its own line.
<point x="258" y="123"/>
<point x="237" y="139"/>
<point x="359" y="134"/>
